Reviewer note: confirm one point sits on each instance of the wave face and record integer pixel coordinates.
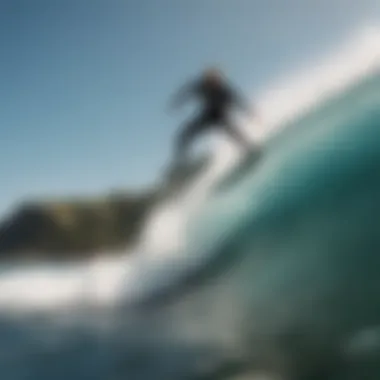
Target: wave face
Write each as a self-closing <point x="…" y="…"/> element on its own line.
<point x="315" y="171"/>
<point x="290" y="252"/>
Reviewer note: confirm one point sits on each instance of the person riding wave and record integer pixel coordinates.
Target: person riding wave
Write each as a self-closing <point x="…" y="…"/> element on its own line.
<point x="217" y="97"/>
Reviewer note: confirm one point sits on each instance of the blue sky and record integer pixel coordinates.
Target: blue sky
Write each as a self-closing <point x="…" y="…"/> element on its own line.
<point x="84" y="83"/>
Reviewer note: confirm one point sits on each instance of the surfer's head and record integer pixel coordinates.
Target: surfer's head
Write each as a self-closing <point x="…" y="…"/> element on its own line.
<point x="212" y="74"/>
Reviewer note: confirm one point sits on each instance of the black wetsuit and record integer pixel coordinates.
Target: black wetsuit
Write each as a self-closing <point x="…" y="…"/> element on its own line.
<point x="217" y="99"/>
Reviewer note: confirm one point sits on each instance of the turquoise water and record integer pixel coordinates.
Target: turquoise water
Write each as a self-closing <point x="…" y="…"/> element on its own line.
<point x="297" y="240"/>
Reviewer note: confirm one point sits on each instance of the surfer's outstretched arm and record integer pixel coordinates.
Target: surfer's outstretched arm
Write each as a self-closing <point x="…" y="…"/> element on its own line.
<point x="182" y="94"/>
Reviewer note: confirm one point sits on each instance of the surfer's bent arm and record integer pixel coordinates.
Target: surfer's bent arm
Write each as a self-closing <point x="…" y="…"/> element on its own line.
<point x="183" y="94"/>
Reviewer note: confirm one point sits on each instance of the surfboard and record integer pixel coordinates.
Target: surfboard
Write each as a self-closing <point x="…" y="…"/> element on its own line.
<point x="246" y="162"/>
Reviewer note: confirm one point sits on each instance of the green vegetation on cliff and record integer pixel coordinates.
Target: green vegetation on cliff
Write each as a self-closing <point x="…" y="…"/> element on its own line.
<point x="73" y="226"/>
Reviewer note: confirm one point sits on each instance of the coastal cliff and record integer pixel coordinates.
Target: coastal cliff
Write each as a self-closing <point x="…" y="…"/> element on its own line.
<point x="81" y="227"/>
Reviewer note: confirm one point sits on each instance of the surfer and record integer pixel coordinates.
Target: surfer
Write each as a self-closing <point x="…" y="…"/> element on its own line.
<point x="217" y="97"/>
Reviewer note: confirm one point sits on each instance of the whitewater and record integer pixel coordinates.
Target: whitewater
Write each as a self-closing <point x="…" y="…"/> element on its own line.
<point x="104" y="282"/>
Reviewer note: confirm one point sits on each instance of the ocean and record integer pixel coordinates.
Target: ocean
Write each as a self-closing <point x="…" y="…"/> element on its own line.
<point x="276" y="275"/>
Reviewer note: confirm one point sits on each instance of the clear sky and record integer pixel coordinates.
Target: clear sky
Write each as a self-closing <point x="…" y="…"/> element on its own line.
<point x="84" y="83"/>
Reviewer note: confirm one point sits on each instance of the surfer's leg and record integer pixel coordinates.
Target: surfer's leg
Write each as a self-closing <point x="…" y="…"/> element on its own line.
<point x="231" y="129"/>
<point x="187" y="135"/>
